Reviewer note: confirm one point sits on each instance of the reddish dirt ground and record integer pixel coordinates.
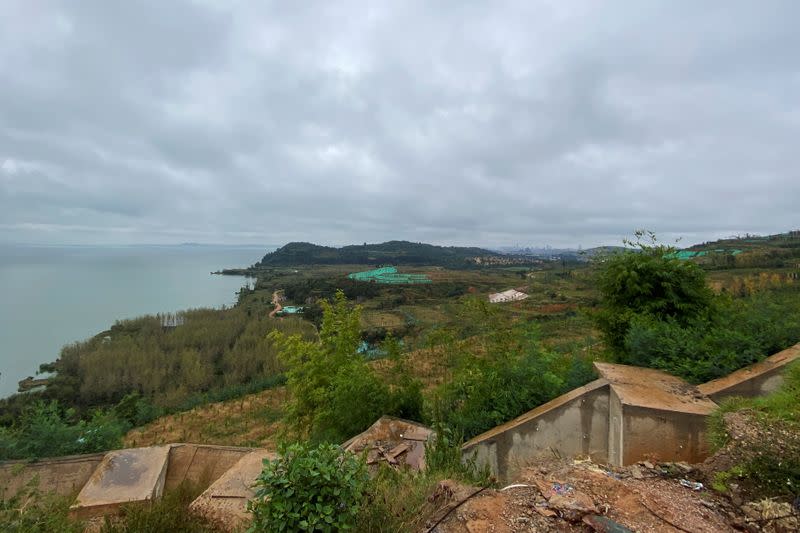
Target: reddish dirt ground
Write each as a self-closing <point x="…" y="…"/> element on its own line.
<point x="564" y="495"/>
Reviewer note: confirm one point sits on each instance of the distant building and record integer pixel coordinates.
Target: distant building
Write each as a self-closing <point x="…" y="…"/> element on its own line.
<point x="511" y="295"/>
<point x="289" y="310"/>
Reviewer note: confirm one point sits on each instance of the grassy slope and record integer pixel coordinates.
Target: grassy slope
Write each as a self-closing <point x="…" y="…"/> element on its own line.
<point x="253" y="420"/>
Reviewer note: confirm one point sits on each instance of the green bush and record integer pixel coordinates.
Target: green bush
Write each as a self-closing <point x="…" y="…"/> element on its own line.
<point x="309" y="489"/>
<point x="405" y="399"/>
<point x="649" y="283"/>
<point x="512" y="374"/>
<point x="31" y="511"/>
<point x="356" y="400"/>
<point x="484" y="393"/>
<point x="736" y="334"/>
<point x="45" y="430"/>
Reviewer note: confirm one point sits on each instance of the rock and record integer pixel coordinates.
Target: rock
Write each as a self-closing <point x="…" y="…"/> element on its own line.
<point x="778" y="515"/>
<point x="603" y="524"/>
<point x="636" y="472"/>
<point x="544" y="511"/>
<point x="572" y="506"/>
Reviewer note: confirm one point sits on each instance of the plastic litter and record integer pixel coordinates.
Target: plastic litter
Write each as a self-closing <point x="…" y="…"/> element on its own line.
<point x="603" y="524"/>
<point x="562" y="489"/>
<point x="515" y="486"/>
<point x="694" y="485"/>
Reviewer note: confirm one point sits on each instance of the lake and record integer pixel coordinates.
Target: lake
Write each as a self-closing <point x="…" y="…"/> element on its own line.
<point x="54" y="295"/>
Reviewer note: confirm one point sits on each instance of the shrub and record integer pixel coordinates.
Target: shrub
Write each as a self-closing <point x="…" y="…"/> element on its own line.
<point x="309" y="489"/>
<point x="170" y="513"/>
<point x="487" y="391"/>
<point x="397" y="500"/>
<point x="31" y="511"/>
<point x="406" y="399"/>
<point x="648" y="282"/>
<point x="44" y="430"/>
<point x="736" y="334"/>
<point x="356" y="400"/>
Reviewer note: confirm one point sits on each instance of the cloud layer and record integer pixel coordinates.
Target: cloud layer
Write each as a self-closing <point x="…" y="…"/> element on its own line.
<point x="454" y="122"/>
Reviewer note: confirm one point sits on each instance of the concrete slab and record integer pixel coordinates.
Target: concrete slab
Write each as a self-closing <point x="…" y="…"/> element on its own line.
<point x="755" y="380"/>
<point x="224" y="503"/>
<point x="123" y="476"/>
<point x="654" y="389"/>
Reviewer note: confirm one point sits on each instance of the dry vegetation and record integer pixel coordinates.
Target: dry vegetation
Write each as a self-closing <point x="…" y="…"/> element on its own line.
<point x="253" y="420"/>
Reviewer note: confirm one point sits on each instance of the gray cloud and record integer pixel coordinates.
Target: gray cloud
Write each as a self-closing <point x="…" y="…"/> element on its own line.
<point x="483" y="123"/>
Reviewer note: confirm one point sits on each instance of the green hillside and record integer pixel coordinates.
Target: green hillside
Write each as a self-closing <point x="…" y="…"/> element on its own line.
<point x="781" y="250"/>
<point x="394" y="252"/>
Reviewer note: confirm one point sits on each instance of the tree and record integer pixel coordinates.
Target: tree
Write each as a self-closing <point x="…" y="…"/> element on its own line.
<point x="333" y="392"/>
<point x="648" y="281"/>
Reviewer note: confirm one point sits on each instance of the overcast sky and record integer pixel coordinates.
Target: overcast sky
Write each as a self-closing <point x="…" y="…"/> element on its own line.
<point x="532" y="122"/>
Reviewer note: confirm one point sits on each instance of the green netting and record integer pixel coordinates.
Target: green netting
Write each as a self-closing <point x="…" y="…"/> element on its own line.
<point x="689" y="254"/>
<point x="369" y="275"/>
<point x="389" y="275"/>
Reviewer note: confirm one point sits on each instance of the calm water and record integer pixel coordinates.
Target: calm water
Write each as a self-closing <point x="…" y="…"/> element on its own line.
<point x="51" y="296"/>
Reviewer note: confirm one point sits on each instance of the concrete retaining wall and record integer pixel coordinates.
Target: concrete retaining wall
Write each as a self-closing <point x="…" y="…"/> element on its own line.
<point x="200" y="464"/>
<point x="616" y="435"/>
<point x="575" y="423"/>
<point x="62" y="475"/>
<point x="755" y="380"/>
<point x="662" y="435"/>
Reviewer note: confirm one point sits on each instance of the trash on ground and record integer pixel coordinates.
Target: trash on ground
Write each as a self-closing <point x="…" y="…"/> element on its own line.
<point x="694" y="485"/>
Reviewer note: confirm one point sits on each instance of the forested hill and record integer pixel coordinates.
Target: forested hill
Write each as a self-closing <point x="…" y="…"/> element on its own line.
<point x="394" y="252"/>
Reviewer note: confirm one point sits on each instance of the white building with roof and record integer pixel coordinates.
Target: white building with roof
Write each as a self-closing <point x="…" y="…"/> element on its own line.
<point x="511" y="295"/>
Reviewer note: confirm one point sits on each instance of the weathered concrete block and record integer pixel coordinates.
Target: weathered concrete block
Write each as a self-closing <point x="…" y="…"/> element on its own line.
<point x="124" y="476"/>
<point x="654" y="414"/>
<point x="224" y="503"/>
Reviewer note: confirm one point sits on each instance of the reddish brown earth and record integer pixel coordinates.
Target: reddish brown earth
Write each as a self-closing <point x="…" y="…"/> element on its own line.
<point x="566" y="495"/>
